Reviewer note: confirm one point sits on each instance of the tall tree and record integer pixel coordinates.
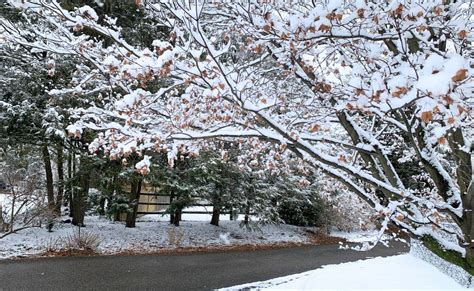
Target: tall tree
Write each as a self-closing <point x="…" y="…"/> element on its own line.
<point x="310" y="80"/>
<point x="49" y="177"/>
<point x="216" y="181"/>
<point x="60" y="171"/>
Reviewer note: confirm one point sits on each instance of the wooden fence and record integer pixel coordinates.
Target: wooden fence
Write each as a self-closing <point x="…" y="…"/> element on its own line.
<point x="153" y="203"/>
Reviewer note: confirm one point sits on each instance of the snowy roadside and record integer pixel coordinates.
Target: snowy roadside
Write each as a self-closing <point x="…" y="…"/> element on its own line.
<point x="152" y="234"/>
<point x="416" y="249"/>
<point x="405" y="272"/>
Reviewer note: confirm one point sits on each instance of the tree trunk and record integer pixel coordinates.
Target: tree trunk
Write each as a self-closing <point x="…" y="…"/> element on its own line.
<point x="79" y="201"/>
<point x="216" y="205"/>
<point x="177" y="216"/>
<point x="117" y="216"/>
<point x="113" y="191"/>
<point x="60" y="194"/>
<point x="247" y="214"/>
<point x="130" y="221"/>
<point x="171" y="212"/>
<point x="68" y="192"/>
<point x="467" y="225"/>
<point x="135" y="198"/>
<point x="102" y="206"/>
<point x="49" y="177"/>
<point x="465" y="181"/>
<point x="12" y="214"/>
<point x="80" y="195"/>
<point x="2" y="222"/>
<point x="216" y="211"/>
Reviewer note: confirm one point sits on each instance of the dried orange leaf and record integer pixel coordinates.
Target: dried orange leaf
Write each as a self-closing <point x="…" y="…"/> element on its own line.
<point x="327" y="88"/>
<point x="359" y="91"/>
<point x="376" y="19"/>
<point x="460" y="75"/>
<point x="448" y="100"/>
<point x="427" y="116"/>
<point x="324" y="28"/>
<point x="266" y="28"/>
<point x="399" y="92"/>
<point x="462" y="34"/>
<point x="421" y="28"/>
<point x="438" y="10"/>
<point x="399" y="10"/>
<point x="315" y="128"/>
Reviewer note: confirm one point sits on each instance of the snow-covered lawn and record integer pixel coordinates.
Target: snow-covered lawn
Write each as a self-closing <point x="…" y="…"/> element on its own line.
<point x="397" y="272"/>
<point x="153" y="233"/>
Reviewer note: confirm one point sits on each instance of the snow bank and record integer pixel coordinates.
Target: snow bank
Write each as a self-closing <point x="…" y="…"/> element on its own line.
<point x="457" y="273"/>
<point x="397" y="272"/>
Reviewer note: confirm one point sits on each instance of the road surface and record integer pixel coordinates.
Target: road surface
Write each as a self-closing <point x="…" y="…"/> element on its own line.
<point x="196" y="271"/>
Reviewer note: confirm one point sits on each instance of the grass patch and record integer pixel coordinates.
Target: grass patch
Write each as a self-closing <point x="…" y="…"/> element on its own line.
<point x="447" y="255"/>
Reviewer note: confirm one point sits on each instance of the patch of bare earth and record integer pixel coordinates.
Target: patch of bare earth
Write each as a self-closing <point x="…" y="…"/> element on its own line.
<point x="70" y="253"/>
<point x="319" y="237"/>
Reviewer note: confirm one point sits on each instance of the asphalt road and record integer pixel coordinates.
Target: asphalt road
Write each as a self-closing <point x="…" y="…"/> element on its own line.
<point x="197" y="271"/>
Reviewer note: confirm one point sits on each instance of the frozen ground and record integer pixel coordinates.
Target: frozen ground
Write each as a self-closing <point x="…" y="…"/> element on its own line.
<point x="402" y="272"/>
<point x="153" y="233"/>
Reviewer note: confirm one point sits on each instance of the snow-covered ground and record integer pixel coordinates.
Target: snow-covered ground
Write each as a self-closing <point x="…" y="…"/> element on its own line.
<point x="152" y="233"/>
<point x="405" y="272"/>
<point x="357" y="236"/>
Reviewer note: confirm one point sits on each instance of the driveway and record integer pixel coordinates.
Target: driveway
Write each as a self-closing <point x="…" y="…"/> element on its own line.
<point x="195" y="271"/>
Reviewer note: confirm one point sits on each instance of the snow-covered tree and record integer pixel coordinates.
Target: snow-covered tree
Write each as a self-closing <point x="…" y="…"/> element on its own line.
<point x="25" y="204"/>
<point x="177" y="181"/>
<point x="217" y="181"/>
<point x="341" y="86"/>
<point x="28" y="115"/>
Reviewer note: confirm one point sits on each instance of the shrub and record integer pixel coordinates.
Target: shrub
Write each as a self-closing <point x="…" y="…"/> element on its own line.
<point x="82" y="241"/>
<point x="310" y="212"/>
<point x="77" y="243"/>
<point x="118" y="205"/>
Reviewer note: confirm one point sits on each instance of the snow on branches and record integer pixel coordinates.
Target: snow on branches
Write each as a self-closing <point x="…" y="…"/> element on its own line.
<point x="354" y="88"/>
